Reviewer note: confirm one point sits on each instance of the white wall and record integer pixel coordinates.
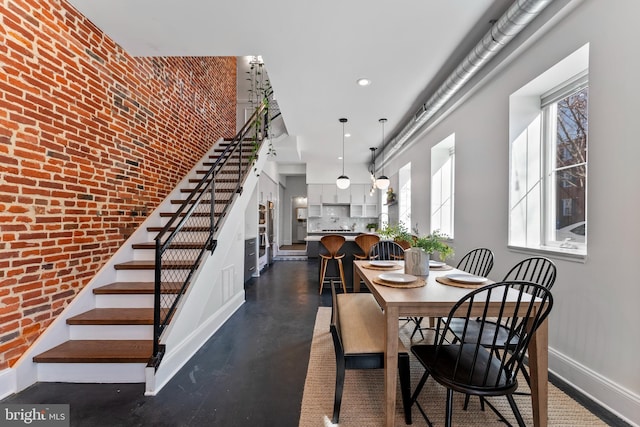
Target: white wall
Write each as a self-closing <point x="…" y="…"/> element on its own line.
<point x="594" y="323"/>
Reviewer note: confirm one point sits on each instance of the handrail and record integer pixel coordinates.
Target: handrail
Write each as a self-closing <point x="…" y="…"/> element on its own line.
<point x="180" y="246"/>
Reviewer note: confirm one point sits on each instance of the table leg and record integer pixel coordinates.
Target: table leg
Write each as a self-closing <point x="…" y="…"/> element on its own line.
<point x="391" y="363"/>
<point x="539" y="372"/>
<point x="356" y="280"/>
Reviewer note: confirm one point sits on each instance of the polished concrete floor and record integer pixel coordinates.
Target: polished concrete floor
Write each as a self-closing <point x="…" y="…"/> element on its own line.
<point x="249" y="374"/>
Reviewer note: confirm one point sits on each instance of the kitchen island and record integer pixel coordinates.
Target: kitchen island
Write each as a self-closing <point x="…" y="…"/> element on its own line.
<point x="349" y="248"/>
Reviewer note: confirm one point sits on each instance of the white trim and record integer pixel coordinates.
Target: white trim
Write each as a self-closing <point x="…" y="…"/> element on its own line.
<point x="615" y="398"/>
<point x="7" y="382"/>
<point x="559" y="253"/>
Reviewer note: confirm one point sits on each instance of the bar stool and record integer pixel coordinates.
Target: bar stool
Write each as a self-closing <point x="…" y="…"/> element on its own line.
<point x="365" y="242"/>
<point x="333" y="243"/>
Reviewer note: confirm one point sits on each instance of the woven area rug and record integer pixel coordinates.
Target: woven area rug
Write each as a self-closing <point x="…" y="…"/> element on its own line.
<point x="362" y="401"/>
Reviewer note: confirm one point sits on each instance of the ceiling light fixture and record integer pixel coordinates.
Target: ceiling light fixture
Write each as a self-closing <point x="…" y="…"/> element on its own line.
<point x="382" y="182"/>
<point x="343" y="181"/>
<point x="363" y="82"/>
<point x="372" y="171"/>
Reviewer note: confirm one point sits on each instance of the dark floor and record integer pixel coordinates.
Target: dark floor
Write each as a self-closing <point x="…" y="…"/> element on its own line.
<point x="250" y="373"/>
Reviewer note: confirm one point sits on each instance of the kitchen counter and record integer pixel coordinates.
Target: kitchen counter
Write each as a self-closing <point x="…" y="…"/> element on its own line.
<point x="350" y="247"/>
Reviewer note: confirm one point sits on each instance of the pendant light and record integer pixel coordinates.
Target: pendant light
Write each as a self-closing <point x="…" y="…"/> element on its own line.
<point x="372" y="171"/>
<point x="382" y="182"/>
<point x="343" y="181"/>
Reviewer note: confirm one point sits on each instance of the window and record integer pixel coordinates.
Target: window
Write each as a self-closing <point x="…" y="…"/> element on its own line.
<point x="404" y="195"/>
<point x="548" y="121"/>
<point x="565" y="139"/>
<point x="442" y="185"/>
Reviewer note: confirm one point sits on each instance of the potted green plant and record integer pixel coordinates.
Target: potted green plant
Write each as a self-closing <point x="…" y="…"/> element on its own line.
<point x="372" y="226"/>
<point x="417" y="256"/>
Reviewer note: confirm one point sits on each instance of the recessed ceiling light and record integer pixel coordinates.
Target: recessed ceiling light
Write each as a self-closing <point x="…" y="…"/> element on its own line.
<point x="363" y="82"/>
<point x="340" y="158"/>
<point x="347" y="135"/>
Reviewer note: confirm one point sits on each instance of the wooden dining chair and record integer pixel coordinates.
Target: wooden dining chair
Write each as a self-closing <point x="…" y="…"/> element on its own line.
<point x="333" y="243"/>
<point x="480" y="367"/>
<point x="365" y="241"/>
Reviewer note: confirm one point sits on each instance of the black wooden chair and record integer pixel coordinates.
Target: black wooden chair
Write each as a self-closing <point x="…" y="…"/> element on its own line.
<point x="482" y="368"/>
<point x="357" y="328"/>
<point x="538" y="270"/>
<point x="478" y="262"/>
<point x="386" y="250"/>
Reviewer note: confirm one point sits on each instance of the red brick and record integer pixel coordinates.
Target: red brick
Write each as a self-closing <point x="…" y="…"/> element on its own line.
<point x="59" y="123"/>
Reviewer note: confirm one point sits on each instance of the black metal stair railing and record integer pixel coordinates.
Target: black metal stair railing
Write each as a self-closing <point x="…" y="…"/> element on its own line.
<point x="183" y="242"/>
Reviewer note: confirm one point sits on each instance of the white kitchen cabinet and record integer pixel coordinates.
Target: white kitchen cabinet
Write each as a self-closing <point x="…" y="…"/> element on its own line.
<point x="314" y="210"/>
<point x="370" y="211"/>
<point x="314" y="194"/>
<point x="343" y="196"/>
<point x="329" y="193"/>
<point x="356" y="211"/>
<point x="371" y="199"/>
<point x="357" y="194"/>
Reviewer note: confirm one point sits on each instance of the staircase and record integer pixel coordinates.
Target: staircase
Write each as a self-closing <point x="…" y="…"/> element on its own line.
<point x="114" y="340"/>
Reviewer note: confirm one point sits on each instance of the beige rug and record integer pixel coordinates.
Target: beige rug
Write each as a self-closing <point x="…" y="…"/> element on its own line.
<point x="362" y="401"/>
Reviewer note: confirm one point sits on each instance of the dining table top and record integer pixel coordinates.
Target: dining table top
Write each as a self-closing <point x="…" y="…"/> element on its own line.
<point x="434" y="295"/>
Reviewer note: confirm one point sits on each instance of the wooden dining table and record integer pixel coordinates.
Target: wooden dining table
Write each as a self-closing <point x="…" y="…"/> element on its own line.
<point x="435" y="300"/>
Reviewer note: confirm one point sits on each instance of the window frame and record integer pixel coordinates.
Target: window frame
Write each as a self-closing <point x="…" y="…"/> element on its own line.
<point x="527" y="179"/>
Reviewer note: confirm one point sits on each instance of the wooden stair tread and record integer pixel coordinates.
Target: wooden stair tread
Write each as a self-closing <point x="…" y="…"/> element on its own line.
<point x="113" y="316"/>
<point x="223" y="180"/>
<point x="98" y="351"/>
<point x="178" y="245"/>
<point x="191" y="229"/>
<point x="205" y="202"/>
<point x="218" y="190"/>
<point x="195" y="214"/>
<point x="151" y="265"/>
<point x="117" y="288"/>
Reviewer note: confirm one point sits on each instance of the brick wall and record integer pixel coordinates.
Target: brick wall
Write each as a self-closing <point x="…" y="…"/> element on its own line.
<point x="91" y="140"/>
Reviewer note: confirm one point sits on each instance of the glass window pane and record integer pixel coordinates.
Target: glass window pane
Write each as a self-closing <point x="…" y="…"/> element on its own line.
<point x="570" y="206"/>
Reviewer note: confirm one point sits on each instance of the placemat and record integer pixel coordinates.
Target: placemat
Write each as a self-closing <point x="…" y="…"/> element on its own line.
<point x="443" y="268"/>
<point x="375" y="267"/>
<point x="449" y="282"/>
<point x="415" y="284"/>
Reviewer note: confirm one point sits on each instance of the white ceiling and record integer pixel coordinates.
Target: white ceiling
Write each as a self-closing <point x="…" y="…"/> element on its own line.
<point x="314" y="52"/>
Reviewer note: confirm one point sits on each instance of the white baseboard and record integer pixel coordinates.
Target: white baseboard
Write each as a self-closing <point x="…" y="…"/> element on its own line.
<point x="615" y="398"/>
<point x="7" y="382"/>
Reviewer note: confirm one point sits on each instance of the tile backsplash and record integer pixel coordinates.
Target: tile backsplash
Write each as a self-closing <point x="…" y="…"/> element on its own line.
<point x="336" y="217"/>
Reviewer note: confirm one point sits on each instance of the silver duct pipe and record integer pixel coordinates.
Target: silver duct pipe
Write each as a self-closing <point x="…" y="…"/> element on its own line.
<point x="514" y="20"/>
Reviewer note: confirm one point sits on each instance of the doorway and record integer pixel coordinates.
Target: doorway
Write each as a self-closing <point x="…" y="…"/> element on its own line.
<point x="299" y="221"/>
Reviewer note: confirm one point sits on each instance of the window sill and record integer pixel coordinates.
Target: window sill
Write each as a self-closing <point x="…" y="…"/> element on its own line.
<point x="573" y="255"/>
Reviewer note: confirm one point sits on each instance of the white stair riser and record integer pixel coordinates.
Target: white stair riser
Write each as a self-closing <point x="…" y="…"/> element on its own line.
<point x="124" y="301"/>
<point x="111" y="332"/>
<point x="92" y="372"/>
<point x="135" y="276"/>
<point x="131" y="301"/>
